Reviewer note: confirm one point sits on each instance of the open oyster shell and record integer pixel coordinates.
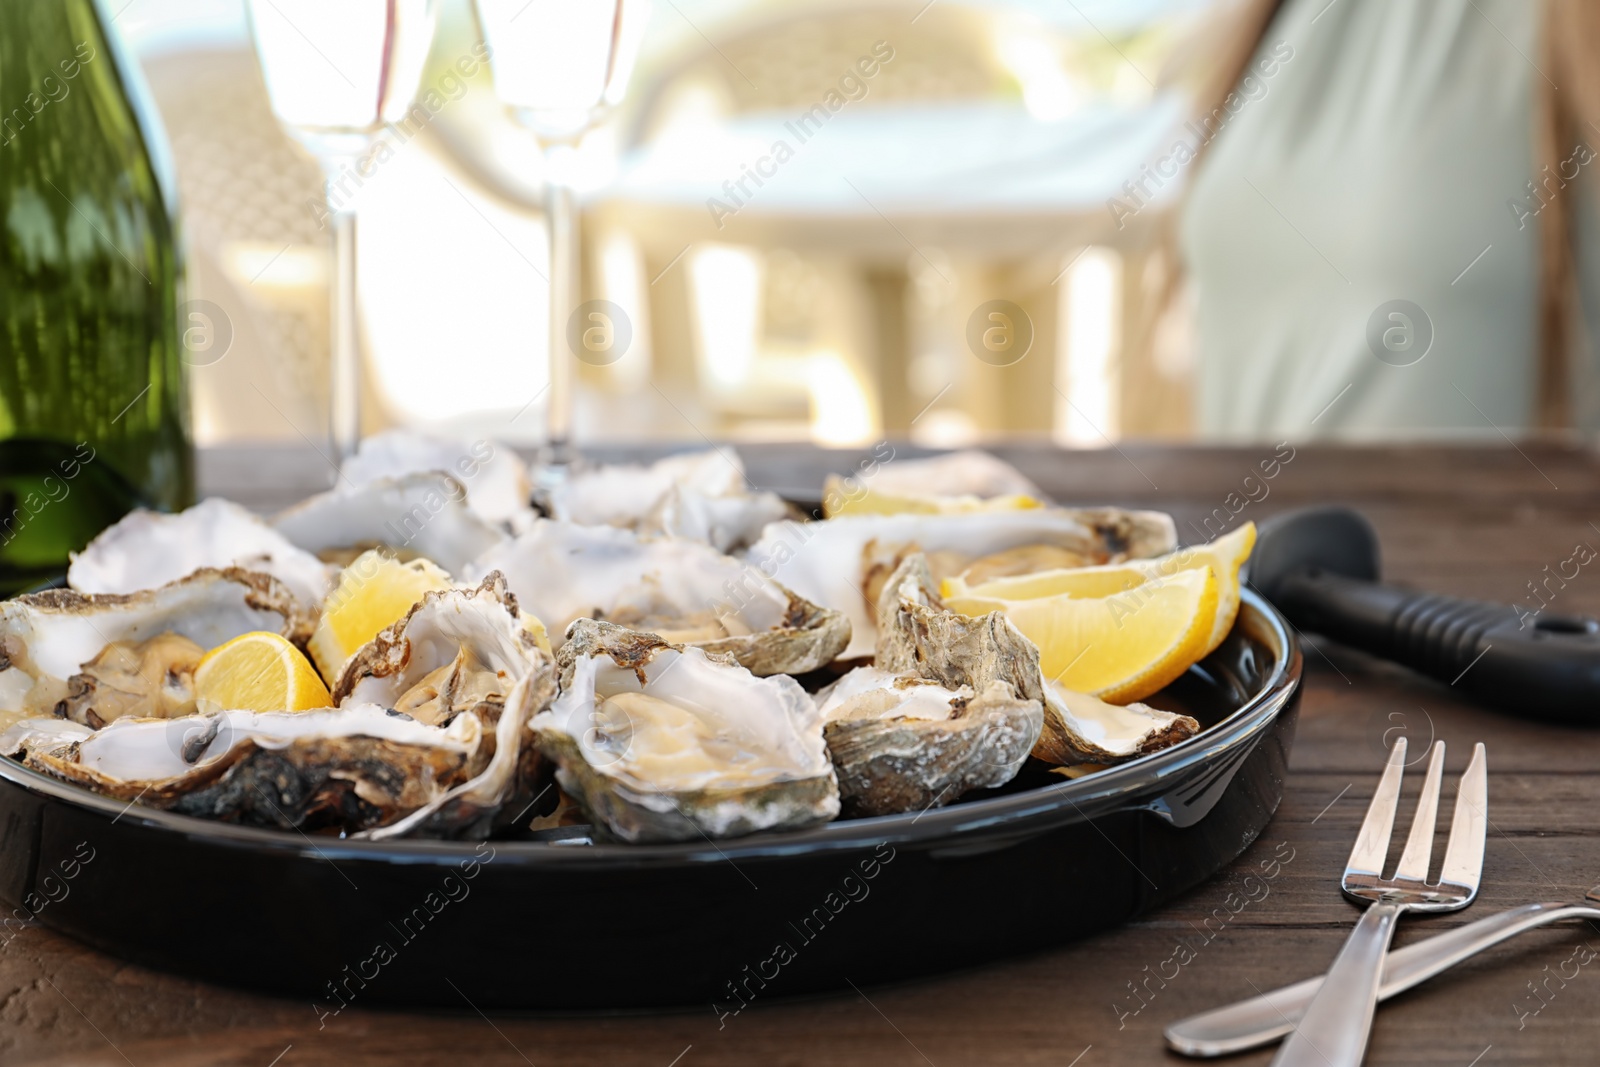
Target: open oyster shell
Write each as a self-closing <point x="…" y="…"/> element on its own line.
<point x="683" y="591"/>
<point x="456" y="650"/>
<point x="1080" y="728"/>
<point x="664" y="743"/>
<point x="147" y="549"/>
<point x="843" y="563"/>
<point x="703" y="496"/>
<point x="951" y="704"/>
<point x="47" y="639"/>
<point x="346" y="769"/>
<point x="496" y="479"/>
<point x="414" y="515"/>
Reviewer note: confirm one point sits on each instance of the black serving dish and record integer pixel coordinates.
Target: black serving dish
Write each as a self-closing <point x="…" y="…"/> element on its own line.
<point x="561" y="925"/>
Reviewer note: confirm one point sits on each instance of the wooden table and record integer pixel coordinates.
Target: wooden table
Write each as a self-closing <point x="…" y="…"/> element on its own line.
<point x="1479" y="522"/>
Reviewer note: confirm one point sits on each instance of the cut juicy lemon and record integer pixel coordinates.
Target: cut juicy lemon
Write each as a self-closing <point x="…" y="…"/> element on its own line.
<point x="259" y="671"/>
<point x="1225" y="556"/>
<point x="840" y="498"/>
<point x="1119" y="647"/>
<point x="374" y="591"/>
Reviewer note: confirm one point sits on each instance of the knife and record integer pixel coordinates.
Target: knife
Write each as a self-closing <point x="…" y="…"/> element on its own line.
<point x="1262" y="1020"/>
<point x="1319" y="566"/>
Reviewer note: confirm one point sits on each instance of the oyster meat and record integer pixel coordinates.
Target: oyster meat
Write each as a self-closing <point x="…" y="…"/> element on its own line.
<point x="659" y="742"/>
<point x="683" y="591"/>
<point x="950" y="705"/>
<point x="100" y="657"/>
<point x="348" y="769"/>
<point x="702" y="496"/>
<point x="415" y="515"/>
<point x="146" y="549"/>
<point x="495" y="478"/>
<point x="843" y="563"/>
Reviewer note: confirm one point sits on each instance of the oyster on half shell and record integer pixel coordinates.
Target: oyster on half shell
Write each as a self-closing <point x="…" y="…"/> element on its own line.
<point x="660" y="742"/>
<point x="423" y="514"/>
<point x="96" y="658"/>
<point x="702" y="496"/>
<point x="844" y="563"/>
<point x="496" y="479"/>
<point x="950" y="705"/>
<point x="147" y="549"/>
<point x="683" y="591"/>
<point x="456" y="650"/>
<point x="346" y="769"/>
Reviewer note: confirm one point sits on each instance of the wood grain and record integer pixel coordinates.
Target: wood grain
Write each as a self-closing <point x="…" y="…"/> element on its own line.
<point x="1478" y="522"/>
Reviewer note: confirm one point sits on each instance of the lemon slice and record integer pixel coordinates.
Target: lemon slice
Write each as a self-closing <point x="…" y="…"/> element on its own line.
<point x="841" y="499"/>
<point x="1225" y="556"/>
<point x="1119" y="647"/>
<point x="259" y="671"/>
<point x="374" y="591"/>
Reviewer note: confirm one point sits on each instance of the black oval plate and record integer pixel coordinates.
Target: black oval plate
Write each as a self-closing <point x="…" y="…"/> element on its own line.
<point x="547" y="925"/>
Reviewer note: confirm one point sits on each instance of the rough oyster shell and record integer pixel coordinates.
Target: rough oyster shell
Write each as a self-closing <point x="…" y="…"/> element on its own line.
<point x="496" y="479"/>
<point x="147" y="549"/>
<point x="728" y="754"/>
<point x="952" y="704"/>
<point x="703" y="496"/>
<point x="346" y="769"/>
<point x="1080" y="728"/>
<point x="464" y="648"/>
<point x="683" y="591"/>
<point x="46" y="638"/>
<point x="414" y="515"/>
<point x="841" y="563"/>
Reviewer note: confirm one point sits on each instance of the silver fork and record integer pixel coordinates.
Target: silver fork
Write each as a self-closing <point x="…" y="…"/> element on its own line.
<point x="1333" y="1032"/>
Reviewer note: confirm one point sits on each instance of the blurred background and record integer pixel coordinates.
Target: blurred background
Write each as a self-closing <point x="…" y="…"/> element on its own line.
<point x="801" y="250"/>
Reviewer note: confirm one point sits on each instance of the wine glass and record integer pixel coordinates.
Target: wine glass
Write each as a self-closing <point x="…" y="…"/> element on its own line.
<point x="338" y="72"/>
<point x="559" y="67"/>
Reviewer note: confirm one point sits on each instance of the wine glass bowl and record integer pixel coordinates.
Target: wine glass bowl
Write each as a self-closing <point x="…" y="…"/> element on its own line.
<point x="559" y="67"/>
<point x="338" y="72"/>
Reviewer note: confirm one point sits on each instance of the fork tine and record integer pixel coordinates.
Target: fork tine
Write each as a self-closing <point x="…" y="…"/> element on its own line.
<point x="1463" y="856"/>
<point x="1372" y="843"/>
<point x="1419" y="844"/>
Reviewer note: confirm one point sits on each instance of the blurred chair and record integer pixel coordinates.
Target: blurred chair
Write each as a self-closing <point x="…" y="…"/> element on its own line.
<point x="831" y="292"/>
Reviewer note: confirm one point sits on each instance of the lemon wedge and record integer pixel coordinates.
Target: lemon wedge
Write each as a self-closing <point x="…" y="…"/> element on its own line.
<point x="1121" y="645"/>
<point x="1225" y="556"/>
<point x="259" y="671"/>
<point x="374" y="591"/>
<point x="838" y="498"/>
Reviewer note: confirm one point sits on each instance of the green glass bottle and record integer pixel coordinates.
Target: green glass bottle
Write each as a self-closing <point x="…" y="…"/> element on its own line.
<point x="93" y="406"/>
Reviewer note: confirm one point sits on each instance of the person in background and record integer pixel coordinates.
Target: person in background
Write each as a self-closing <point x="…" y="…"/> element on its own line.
<point x="1391" y="229"/>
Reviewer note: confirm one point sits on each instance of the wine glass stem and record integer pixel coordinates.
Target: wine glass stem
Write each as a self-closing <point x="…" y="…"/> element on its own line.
<point x="344" y="395"/>
<point x="561" y="217"/>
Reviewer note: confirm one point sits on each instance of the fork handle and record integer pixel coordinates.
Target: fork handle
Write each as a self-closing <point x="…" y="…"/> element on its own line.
<point x="1333" y="1032"/>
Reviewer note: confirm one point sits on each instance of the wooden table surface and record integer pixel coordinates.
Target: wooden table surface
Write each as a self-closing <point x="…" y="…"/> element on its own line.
<point x="1478" y="522"/>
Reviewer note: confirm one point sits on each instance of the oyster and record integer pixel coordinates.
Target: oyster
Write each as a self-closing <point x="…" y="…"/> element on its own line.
<point x="146" y="549"/>
<point x="149" y="679"/>
<point x="456" y="650"/>
<point x="54" y="645"/>
<point x="416" y="515"/>
<point x="496" y="479"/>
<point x="954" y="481"/>
<point x="684" y="591"/>
<point x="843" y="563"/>
<point x="347" y="769"/>
<point x="664" y="743"/>
<point x="951" y="704"/>
<point x="1080" y="728"/>
<point x="703" y="496"/>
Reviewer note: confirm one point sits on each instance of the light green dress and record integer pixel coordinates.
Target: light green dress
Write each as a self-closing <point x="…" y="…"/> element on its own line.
<point x="1387" y="159"/>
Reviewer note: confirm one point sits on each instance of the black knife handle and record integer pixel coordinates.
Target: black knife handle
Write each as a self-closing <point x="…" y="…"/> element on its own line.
<point x="1536" y="664"/>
